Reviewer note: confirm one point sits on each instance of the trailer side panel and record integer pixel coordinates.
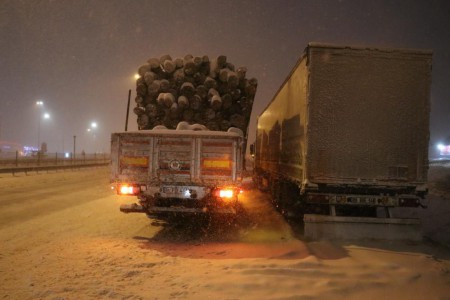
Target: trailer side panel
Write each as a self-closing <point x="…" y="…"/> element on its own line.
<point x="281" y="131"/>
<point x="368" y="115"/>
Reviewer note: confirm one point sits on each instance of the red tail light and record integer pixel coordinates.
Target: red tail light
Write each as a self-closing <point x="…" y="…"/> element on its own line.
<point x="227" y="193"/>
<point x="128" y="189"/>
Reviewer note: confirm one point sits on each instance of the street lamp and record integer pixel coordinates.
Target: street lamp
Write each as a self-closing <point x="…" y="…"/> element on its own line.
<point x="39" y="105"/>
<point x="45" y="116"/>
<point x="92" y="129"/>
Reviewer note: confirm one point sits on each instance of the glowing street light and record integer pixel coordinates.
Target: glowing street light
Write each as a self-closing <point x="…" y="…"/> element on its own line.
<point x="44" y="116"/>
<point x="93" y="129"/>
<point x="136" y="76"/>
<point x="39" y="105"/>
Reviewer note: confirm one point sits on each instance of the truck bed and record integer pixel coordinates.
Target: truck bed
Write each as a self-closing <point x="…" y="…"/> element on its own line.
<point x="158" y="157"/>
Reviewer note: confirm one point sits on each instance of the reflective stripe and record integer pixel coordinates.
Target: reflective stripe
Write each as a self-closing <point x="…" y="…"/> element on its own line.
<point x="216" y="164"/>
<point x="140" y="161"/>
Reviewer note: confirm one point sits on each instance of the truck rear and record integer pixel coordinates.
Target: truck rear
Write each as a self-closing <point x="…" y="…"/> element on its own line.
<point x="347" y="132"/>
<point x="178" y="171"/>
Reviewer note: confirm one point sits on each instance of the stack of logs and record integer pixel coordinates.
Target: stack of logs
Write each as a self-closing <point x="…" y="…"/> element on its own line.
<point x="196" y="90"/>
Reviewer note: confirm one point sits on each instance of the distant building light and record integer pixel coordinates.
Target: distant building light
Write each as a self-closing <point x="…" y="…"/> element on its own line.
<point x="66" y="155"/>
<point x="443" y="149"/>
<point x="28" y="150"/>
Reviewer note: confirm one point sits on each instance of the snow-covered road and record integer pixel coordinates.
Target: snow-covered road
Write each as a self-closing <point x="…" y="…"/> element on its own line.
<point x="63" y="237"/>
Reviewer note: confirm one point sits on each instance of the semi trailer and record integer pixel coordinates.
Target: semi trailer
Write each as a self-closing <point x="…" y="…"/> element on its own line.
<point x="347" y="133"/>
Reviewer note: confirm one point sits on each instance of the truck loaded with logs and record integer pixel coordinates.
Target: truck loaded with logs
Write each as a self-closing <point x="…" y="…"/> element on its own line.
<point x="345" y="141"/>
<point x="188" y="155"/>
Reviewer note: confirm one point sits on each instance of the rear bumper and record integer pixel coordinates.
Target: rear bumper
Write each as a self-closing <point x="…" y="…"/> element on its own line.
<point x="137" y="208"/>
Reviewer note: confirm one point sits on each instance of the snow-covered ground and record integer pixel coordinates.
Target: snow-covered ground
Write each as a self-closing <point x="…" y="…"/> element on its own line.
<point x="63" y="237"/>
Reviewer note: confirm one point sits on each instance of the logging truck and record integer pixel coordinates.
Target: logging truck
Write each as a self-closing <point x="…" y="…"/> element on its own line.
<point x="346" y="135"/>
<point x="187" y="156"/>
<point x="188" y="170"/>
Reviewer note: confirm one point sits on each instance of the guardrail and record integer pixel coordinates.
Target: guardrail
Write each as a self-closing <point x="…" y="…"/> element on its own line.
<point x="37" y="169"/>
<point x="16" y="160"/>
<point x="13" y="163"/>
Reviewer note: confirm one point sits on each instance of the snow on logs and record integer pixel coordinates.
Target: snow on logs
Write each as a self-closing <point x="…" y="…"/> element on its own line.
<point x="192" y="89"/>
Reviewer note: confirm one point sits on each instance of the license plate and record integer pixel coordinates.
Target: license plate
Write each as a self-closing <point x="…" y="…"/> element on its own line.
<point x="169" y="190"/>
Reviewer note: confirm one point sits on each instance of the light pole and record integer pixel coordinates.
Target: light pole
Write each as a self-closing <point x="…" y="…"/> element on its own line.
<point x="1" y="118"/>
<point x="74" y="145"/>
<point x="93" y="129"/>
<point x="39" y="105"/>
<point x="44" y="116"/>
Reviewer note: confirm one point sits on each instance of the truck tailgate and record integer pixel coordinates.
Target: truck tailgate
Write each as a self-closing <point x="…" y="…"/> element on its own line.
<point x="154" y="158"/>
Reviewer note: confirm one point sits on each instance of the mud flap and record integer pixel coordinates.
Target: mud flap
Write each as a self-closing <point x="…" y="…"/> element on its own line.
<point x="319" y="227"/>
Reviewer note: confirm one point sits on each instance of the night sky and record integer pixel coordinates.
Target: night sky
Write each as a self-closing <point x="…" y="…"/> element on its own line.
<point x="79" y="57"/>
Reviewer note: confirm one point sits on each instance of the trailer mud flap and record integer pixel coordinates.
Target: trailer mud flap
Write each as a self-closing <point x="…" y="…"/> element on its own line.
<point x="319" y="227"/>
